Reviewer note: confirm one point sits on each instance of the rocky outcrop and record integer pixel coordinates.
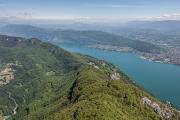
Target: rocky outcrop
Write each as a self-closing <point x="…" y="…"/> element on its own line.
<point x="93" y="64"/>
<point x="164" y="111"/>
<point x="115" y="75"/>
<point x="6" y="74"/>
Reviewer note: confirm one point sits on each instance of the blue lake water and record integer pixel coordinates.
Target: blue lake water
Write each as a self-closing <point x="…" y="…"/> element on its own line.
<point x="162" y="80"/>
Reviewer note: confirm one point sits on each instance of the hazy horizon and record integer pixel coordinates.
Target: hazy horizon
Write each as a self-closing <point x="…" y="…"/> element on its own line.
<point x="89" y="10"/>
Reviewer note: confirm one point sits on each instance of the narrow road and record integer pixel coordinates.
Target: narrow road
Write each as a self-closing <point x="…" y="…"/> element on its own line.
<point x="14" y="109"/>
<point x="16" y="105"/>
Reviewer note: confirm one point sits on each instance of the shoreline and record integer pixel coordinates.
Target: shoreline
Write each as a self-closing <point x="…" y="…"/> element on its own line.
<point x="140" y="55"/>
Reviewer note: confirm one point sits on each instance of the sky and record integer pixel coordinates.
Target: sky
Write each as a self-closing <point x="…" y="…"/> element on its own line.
<point x="90" y="9"/>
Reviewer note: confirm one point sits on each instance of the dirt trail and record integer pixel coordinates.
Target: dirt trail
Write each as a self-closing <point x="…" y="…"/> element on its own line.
<point x="16" y="105"/>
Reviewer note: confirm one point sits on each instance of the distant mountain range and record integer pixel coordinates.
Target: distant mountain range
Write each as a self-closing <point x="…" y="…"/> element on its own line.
<point x="170" y="27"/>
<point x="26" y="31"/>
<point x="154" y="40"/>
<point x="82" y="37"/>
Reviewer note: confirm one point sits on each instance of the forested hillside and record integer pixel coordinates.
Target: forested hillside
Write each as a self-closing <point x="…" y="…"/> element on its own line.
<point x="40" y="81"/>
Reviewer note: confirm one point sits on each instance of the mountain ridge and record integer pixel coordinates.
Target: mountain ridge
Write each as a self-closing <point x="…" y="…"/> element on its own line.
<point x="53" y="84"/>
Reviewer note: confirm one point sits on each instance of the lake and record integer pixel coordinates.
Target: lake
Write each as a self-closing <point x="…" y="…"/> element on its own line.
<point x="161" y="80"/>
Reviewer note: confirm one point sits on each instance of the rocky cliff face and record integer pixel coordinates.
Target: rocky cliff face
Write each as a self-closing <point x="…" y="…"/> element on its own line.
<point x="6" y="74"/>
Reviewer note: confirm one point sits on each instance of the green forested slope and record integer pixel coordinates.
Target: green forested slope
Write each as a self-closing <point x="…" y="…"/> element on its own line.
<point x="52" y="84"/>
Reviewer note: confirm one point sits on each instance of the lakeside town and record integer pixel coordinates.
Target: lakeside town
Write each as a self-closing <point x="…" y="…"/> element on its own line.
<point x="171" y="55"/>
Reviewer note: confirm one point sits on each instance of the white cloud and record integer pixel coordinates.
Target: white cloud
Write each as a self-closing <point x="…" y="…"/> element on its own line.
<point x="173" y="16"/>
<point x="113" y="5"/>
